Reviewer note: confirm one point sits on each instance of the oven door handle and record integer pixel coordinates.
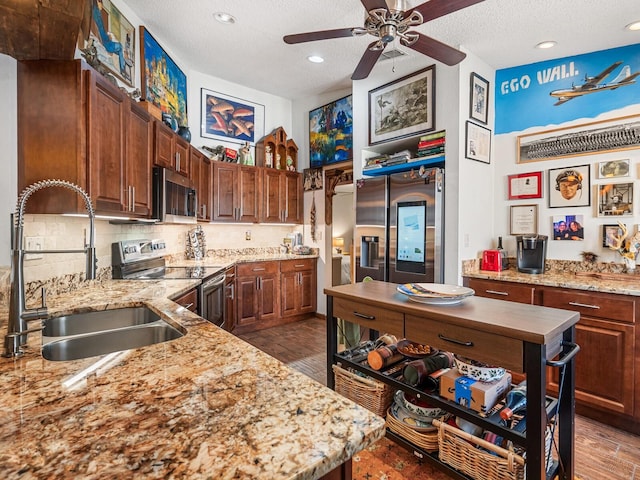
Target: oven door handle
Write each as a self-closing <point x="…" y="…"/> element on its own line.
<point x="214" y="282"/>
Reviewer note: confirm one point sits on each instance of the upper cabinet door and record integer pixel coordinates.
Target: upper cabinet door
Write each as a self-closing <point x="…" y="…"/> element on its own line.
<point x="139" y="159"/>
<point x="106" y="116"/>
<point x="272" y="187"/>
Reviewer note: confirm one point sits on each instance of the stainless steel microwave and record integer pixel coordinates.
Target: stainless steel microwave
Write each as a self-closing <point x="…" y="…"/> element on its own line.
<point x="174" y="197"/>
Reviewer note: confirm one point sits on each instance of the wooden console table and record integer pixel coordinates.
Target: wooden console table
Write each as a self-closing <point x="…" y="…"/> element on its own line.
<point x="520" y="337"/>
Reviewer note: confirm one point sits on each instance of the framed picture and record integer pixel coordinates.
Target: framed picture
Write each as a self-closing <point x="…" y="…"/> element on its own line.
<point x="231" y="119"/>
<point x="614" y="169"/>
<point x="525" y="185"/>
<point x="114" y="37"/>
<point x="479" y="98"/>
<point x="609" y="233"/>
<point x="568" y="227"/>
<point x="590" y="138"/>
<point x="331" y="133"/>
<point x="312" y="179"/>
<point x="615" y="199"/>
<point x="404" y="107"/>
<point x="523" y="219"/>
<point x="478" y="143"/>
<point x="570" y="187"/>
<point x="163" y="83"/>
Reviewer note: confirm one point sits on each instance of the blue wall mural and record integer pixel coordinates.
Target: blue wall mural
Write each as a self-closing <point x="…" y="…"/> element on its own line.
<point x="565" y="89"/>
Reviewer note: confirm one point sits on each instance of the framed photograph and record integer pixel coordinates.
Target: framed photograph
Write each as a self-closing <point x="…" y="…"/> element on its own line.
<point x="614" y="169"/>
<point x="615" y="199"/>
<point x="163" y="83"/>
<point x="524" y="219"/>
<point x="525" y="185"/>
<point x="114" y="38"/>
<point x="479" y="98"/>
<point x="587" y="139"/>
<point x="403" y="108"/>
<point x="230" y="119"/>
<point x="570" y="187"/>
<point x="478" y="143"/>
<point x="568" y="227"/>
<point x="312" y="179"/>
<point x="331" y="133"/>
<point x="609" y="233"/>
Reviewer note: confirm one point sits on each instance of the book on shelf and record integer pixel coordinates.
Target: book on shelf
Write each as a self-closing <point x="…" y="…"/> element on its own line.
<point x="433" y="136"/>
<point x="431" y="143"/>
<point x="424" y="152"/>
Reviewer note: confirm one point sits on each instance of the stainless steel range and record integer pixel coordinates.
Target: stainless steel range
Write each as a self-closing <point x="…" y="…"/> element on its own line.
<point x="144" y="260"/>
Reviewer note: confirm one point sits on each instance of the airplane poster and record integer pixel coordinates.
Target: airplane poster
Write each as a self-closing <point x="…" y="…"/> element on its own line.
<point x="565" y="89"/>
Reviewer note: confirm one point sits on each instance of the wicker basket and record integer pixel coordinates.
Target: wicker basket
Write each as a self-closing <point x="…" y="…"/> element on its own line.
<point x="428" y="441"/>
<point x="458" y="449"/>
<point x="371" y="394"/>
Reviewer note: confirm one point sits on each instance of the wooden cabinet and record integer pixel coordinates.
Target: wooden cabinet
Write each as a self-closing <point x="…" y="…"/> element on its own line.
<point x="298" y="287"/>
<point x="511" y="292"/>
<point x="74" y="125"/>
<point x="230" y="299"/>
<point x="606" y="377"/>
<point x="257" y="290"/>
<point x="277" y="151"/>
<point x="201" y="172"/>
<point x="236" y="193"/>
<point x="606" y="367"/>
<point x="170" y="150"/>
<point x="189" y="300"/>
<point x="282" y="196"/>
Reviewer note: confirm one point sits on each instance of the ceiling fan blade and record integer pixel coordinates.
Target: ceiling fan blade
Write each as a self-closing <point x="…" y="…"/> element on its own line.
<point x="320" y="35"/>
<point x="437" y="50"/>
<point x="438" y="8"/>
<point x="367" y="62"/>
<point x="373" y="4"/>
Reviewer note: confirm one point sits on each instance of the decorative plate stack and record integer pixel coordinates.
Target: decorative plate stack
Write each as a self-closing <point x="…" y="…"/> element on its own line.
<point x="435" y="293"/>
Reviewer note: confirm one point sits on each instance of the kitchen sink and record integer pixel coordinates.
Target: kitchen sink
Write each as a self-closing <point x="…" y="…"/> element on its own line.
<point x="109" y="341"/>
<point x="89" y="322"/>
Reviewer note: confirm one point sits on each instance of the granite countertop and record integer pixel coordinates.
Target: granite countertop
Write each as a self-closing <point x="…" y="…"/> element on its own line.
<point x="224" y="261"/>
<point x="569" y="277"/>
<point x="207" y="405"/>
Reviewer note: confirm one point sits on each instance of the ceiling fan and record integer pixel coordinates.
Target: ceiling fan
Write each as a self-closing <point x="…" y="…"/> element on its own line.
<point x="388" y="23"/>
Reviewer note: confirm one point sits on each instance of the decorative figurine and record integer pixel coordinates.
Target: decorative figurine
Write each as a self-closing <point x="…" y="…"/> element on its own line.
<point x="268" y="156"/>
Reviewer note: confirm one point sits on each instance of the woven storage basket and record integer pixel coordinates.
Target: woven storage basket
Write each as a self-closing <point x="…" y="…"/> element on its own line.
<point x="426" y="441"/>
<point x="458" y="449"/>
<point x="371" y="394"/>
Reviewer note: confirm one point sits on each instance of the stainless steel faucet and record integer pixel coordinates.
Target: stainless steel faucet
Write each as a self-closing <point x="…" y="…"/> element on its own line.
<point x="19" y="315"/>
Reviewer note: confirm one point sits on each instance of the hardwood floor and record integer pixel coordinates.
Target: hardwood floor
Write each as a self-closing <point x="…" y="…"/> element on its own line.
<point x="602" y="452"/>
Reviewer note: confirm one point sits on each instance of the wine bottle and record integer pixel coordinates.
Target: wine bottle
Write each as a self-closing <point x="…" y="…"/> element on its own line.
<point x="503" y="255"/>
<point x="515" y="401"/>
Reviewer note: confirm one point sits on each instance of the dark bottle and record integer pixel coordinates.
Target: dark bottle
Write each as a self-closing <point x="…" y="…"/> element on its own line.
<point x="503" y="255"/>
<point x="515" y="401"/>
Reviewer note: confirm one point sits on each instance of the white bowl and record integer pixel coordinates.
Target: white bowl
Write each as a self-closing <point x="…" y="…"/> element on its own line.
<point x="478" y="371"/>
<point x="419" y="411"/>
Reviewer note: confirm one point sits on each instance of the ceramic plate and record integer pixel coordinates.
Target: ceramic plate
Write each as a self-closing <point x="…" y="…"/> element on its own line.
<point x="435" y="290"/>
<point x="400" y="414"/>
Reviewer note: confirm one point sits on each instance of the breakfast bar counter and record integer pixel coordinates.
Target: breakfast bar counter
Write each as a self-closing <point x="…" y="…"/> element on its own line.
<point x="206" y="405"/>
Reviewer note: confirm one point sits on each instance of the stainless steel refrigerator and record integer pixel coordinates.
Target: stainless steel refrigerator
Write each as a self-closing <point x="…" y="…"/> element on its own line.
<point x="399" y="227"/>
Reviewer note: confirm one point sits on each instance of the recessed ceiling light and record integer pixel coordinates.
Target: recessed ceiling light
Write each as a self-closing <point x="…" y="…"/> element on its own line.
<point x="315" y="59"/>
<point x="633" y="26"/>
<point x="225" y="18"/>
<point x="547" y="44"/>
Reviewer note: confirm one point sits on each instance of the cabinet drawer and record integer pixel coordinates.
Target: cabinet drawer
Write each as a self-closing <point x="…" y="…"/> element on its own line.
<point x="375" y="318"/>
<point x="256" y="268"/>
<point x="503" y="291"/>
<point x="591" y="304"/>
<point x="297" y="265"/>
<point x="189" y="300"/>
<point x="485" y="347"/>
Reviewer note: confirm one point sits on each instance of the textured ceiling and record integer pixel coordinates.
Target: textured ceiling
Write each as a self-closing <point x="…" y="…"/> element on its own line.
<point x="252" y="53"/>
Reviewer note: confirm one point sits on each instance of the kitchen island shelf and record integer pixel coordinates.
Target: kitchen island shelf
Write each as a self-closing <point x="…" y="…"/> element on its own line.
<point x="520" y="337"/>
<point x="448" y="405"/>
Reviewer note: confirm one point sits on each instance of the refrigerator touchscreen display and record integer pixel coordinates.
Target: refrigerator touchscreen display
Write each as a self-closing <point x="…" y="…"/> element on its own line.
<point x="411" y="236"/>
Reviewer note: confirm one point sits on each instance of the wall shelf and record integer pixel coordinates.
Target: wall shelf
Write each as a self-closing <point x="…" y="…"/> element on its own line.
<point x="435" y="161"/>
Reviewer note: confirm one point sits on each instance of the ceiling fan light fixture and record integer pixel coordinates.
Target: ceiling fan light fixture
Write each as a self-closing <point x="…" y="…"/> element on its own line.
<point x="546" y="44"/>
<point x="315" y="59"/>
<point x="225" y="18"/>
<point x="633" y="26"/>
<point x="387" y="33"/>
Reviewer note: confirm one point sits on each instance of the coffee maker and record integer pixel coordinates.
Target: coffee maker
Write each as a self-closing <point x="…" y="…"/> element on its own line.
<point x="531" y="253"/>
